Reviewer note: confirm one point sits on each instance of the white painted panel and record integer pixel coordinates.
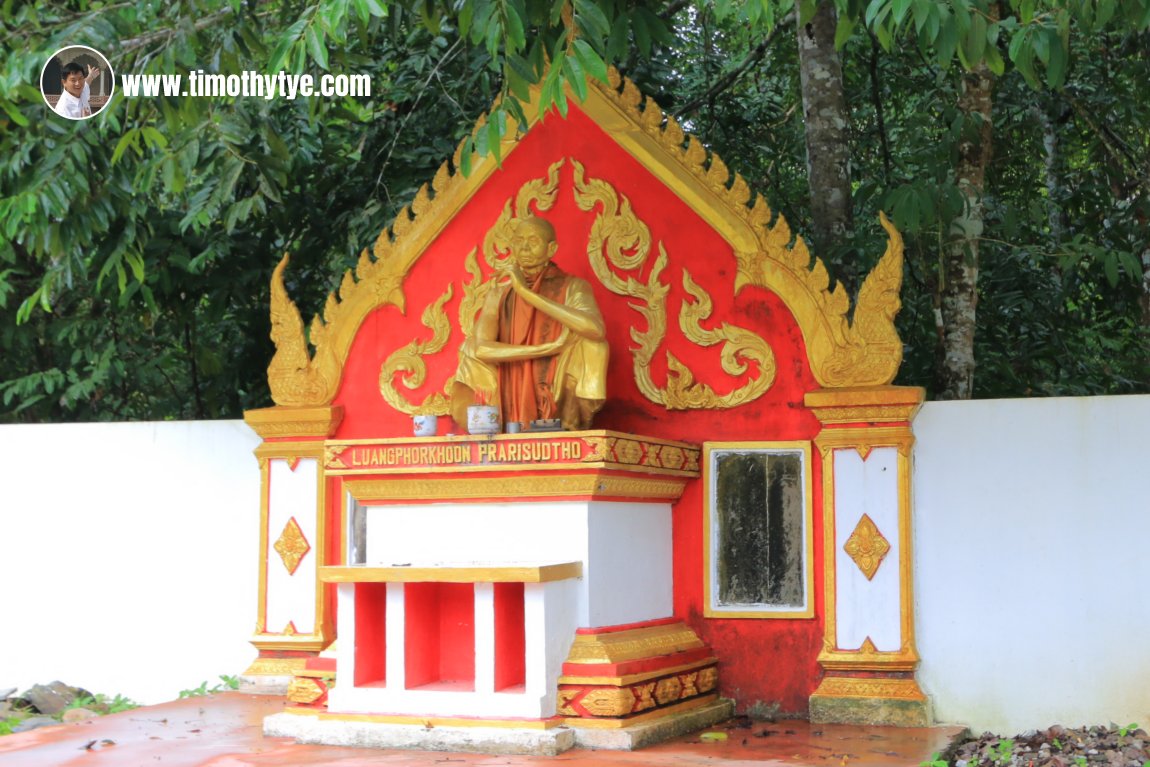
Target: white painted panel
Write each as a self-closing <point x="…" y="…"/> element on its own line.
<point x="535" y="645"/>
<point x="292" y="597"/>
<point x="1031" y="525"/>
<point x="396" y="628"/>
<point x="490" y="533"/>
<point x="484" y="637"/>
<point x="867" y="608"/>
<point x="561" y="624"/>
<point x="477" y="532"/>
<point x="628" y="571"/>
<point x="116" y="533"/>
<point x="345" y="627"/>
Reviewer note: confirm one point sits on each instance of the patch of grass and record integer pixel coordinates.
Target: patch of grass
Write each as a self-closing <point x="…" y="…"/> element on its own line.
<point x="1002" y="752"/>
<point x="102" y="704"/>
<point x="226" y="683"/>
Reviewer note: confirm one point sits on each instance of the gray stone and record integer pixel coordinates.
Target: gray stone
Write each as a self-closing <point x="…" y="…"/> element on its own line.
<point x="306" y="728"/>
<point x="77" y="715"/>
<point x="7" y="692"/>
<point x="32" y="722"/>
<point x="51" y="699"/>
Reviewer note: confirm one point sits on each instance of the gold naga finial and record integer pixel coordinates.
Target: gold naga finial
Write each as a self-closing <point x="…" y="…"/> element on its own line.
<point x="293" y="378"/>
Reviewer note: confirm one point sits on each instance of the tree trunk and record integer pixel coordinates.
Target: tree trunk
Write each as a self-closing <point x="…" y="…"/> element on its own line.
<point x="959" y="283"/>
<point x="826" y="119"/>
<point x="1055" y="215"/>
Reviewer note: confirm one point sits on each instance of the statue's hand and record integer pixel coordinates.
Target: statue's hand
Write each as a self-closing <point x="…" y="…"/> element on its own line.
<point x="514" y="275"/>
<point x="556" y="346"/>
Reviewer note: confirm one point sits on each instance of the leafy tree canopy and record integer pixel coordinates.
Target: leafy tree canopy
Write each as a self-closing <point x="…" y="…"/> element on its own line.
<point x="135" y="248"/>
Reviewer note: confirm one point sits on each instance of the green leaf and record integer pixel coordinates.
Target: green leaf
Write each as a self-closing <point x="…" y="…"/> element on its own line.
<point x="128" y="139"/>
<point x="465" y="157"/>
<point x="557" y="11"/>
<point x="883" y="33"/>
<point x="974" y="46"/>
<point x="1110" y="266"/>
<point x="994" y="61"/>
<point x="316" y="47"/>
<point x="283" y="47"/>
<point x="515" y="83"/>
<point x="873" y="10"/>
<point x="466" y="16"/>
<point x="642" y="34"/>
<point x="514" y="29"/>
<point x="807" y="10"/>
<point x="1040" y="42"/>
<point x="515" y="108"/>
<point x="899" y="10"/>
<point x="15" y="114"/>
<point x="1026" y="11"/>
<point x="153" y="137"/>
<point x="616" y="41"/>
<point x="843" y="30"/>
<point x="1056" y="66"/>
<point x="136" y="263"/>
<point x="576" y="78"/>
<point x="589" y="17"/>
<point x="481" y="137"/>
<point x="591" y="62"/>
<point x="947" y="42"/>
<point x="1133" y="269"/>
<point x="495" y="133"/>
<point x="561" y="98"/>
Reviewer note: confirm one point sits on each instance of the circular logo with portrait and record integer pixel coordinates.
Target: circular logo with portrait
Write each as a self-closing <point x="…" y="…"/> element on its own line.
<point x="77" y="82"/>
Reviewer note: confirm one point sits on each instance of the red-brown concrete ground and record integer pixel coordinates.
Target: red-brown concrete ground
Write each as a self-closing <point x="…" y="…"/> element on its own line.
<point x="226" y="731"/>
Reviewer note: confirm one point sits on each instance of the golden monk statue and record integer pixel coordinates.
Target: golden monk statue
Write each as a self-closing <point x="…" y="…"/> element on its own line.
<point x="539" y="348"/>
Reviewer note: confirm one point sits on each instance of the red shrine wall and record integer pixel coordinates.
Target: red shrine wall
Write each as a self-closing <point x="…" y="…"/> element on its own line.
<point x="768" y="660"/>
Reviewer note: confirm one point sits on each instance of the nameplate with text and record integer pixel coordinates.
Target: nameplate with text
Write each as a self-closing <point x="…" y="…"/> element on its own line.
<point x="550" y="449"/>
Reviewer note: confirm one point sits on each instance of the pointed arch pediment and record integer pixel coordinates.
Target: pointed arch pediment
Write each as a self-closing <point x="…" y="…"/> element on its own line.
<point x="764" y="256"/>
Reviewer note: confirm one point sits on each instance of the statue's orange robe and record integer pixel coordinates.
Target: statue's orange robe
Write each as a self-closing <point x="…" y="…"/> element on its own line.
<point x="521" y="387"/>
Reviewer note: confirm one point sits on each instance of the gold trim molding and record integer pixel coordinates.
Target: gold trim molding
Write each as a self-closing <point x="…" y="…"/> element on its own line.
<point x="302" y="422"/>
<point x="869" y="687"/>
<point x="310" y="643"/>
<point x="275" y="667"/>
<point x="540" y="485"/>
<point x="647" y="716"/>
<point x="453" y="574"/>
<point x="885" y="404"/>
<point x="633" y="644"/>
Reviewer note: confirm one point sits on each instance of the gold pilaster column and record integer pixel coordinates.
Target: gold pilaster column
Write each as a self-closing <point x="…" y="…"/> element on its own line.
<point x="292" y="551"/>
<point x="868" y="680"/>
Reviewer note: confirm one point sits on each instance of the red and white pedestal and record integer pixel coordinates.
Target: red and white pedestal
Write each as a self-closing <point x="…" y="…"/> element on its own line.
<point x="540" y="608"/>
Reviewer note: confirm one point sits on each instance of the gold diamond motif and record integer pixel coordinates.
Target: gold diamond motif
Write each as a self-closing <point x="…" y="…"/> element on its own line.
<point x="292" y="546"/>
<point x="867" y="547"/>
<point x="304" y="690"/>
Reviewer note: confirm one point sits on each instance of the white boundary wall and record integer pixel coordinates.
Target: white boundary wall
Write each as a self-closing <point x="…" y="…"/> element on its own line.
<point x="127" y="555"/>
<point x="128" y="558"/>
<point x="1032" y="561"/>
